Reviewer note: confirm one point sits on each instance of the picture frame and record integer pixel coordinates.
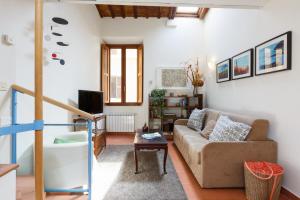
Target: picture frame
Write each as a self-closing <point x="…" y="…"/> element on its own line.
<point x="242" y="65"/>
<point x="223" y="71"/>
<point x="274" y="55"/>
<point x="171" y="78"/>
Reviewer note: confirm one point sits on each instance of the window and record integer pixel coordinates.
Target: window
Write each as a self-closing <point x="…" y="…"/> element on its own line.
<point x="122" y="74"/>
<point x="192" y="10"/>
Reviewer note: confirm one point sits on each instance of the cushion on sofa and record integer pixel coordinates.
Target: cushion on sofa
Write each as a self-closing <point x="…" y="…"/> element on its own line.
<point x="208" y="129"/>
<point x="196" y="120"/>
<point x="228" y="130"/>
<point x="193" y="145"/>
<point x="259" y="131"/>
<point x="181" y="130"/>
<point x="211" y="115"/>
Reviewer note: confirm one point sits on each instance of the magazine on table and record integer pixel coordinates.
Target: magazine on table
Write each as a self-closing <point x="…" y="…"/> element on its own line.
<point x="150" y="136"/>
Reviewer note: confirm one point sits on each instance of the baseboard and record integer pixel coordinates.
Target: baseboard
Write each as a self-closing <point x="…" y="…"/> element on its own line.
<point x="289" y="194"/>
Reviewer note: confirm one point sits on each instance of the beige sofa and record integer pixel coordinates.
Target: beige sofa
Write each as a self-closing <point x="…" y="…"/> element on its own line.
<point x="220" y="164"/>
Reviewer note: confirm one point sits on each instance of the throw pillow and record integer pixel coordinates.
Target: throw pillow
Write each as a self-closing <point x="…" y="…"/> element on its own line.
<point x="208" y="129"/>
<point x="64" y="141"/>
<point x="228" y="130"/>
<point x="196" y="119"/>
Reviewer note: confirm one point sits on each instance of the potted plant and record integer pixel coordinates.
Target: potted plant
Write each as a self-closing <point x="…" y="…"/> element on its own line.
<point x="158" y="101"/>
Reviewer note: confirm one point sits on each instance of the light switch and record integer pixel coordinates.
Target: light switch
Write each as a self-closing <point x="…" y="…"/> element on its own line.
<point x="3" y="86"/>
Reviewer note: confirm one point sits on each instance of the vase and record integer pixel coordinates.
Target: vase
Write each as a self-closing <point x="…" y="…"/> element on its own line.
<point x="195" y="91"/>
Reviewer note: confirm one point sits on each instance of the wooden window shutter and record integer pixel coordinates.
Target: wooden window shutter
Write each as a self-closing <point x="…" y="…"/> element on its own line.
<point x="140" y="74"/>
<point x="105" y="72"/>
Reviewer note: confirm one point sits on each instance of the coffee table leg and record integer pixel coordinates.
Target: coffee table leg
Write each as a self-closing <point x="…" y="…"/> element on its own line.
<point x="165" y="160"/>
<point x="136" y="161"/>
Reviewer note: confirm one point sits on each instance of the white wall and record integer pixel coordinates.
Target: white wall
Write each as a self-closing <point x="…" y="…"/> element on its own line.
<point x="274" y="96"/>
<point x="163" y="47"/>
<point x="82" y="58"/>
<point x="7" y="76"/>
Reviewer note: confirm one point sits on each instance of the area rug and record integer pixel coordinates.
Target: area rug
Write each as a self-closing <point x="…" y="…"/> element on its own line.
<point x="118" y="181"/>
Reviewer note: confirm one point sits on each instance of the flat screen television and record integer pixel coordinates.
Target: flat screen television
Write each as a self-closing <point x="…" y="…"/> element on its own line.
<point x="90" y="101"/>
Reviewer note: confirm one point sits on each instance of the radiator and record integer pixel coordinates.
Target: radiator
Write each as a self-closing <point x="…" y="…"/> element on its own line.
<point x="120" y="122"/>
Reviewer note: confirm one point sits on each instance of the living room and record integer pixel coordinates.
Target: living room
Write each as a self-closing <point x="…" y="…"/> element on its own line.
<point x="206" y="34"/>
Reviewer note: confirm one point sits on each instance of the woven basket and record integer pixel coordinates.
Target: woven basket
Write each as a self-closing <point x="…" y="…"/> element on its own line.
<point x="262" y="180"/>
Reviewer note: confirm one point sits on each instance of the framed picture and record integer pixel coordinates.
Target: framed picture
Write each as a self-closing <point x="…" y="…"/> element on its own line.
<point x="274" y="55"/>
<point x="171" y="78"/>
<point x="242" y="65"/>
<point x="223" y="71"/>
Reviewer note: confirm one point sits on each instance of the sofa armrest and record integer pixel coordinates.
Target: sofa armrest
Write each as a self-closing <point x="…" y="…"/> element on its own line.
<point x="181" y="122"/>
<point x="222" y="162"/>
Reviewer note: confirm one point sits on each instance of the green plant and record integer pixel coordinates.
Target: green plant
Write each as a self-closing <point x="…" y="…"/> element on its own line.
<point x="158" y="101"/>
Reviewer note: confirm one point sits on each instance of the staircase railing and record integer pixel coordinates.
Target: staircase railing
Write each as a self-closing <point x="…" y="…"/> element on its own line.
<point x="15" y="128"/>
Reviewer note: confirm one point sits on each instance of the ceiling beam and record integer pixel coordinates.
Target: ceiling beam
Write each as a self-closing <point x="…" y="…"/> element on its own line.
<point x="123" y="11"/>
<point x="135" y="12"/>
<point x="172" y="13"/>
<point x="202" y="12"/>
<point x="159" y="12"/>
<point x="111" y="10"/>
<point x="99" y="11"/>
<point x="247" y="4"/>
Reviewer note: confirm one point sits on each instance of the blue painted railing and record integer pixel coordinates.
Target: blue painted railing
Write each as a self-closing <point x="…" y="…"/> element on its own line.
<point x="14" y="129"/>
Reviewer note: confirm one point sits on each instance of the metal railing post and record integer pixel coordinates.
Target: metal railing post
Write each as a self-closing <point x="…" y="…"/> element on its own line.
<point x="90" y="158"/>
<point x="14" y="122"/>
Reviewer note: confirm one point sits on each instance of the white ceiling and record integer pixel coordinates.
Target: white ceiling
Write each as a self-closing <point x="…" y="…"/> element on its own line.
<point x="199" y="3"/>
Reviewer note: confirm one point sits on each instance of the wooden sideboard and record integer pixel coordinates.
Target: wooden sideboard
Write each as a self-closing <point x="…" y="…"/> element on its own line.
<point x="99" y="134"/>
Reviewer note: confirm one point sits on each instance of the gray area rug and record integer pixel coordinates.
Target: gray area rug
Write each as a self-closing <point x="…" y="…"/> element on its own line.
<point x="150" y="183"/>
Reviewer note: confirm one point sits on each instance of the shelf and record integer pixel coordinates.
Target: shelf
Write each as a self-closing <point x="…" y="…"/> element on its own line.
<point x="177" y="97"/>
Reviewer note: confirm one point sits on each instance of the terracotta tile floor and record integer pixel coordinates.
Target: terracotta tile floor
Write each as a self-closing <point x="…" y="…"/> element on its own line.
<point x="190" y="185"/>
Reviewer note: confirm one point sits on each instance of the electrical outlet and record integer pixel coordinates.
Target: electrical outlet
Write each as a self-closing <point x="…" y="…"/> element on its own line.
<point x="3" y="86"/>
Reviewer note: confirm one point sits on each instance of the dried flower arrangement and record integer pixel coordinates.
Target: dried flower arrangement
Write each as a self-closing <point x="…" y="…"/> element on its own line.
<point x="194" y="75"/>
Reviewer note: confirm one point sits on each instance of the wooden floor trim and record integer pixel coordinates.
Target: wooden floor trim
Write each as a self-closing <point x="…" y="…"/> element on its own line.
<point x="289" y="194"/>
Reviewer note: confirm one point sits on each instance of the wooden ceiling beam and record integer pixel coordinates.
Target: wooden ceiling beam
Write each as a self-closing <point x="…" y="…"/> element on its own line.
<point x="112" y="13"/>
<point x="159" y="13"/>
<point x="202" y="12"/>
<point x="135" y="12"/>
<point x="99" y="11"/>
<point x="147" y="13"/>
<point x="123" y="11"/>
<point x="172" y="12"/>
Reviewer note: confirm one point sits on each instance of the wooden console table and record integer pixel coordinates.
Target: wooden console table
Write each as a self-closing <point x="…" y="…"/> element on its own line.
<point x="99" y="137"/>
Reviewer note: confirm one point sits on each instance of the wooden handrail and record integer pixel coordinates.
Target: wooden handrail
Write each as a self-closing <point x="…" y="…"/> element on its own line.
<point x="55" y="103"/>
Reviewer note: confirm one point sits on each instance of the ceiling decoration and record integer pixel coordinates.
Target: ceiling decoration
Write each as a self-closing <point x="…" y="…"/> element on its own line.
<point x="113" y="11"/>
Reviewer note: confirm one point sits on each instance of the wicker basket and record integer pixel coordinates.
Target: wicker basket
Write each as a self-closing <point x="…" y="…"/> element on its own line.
<point x="262" y="180"/>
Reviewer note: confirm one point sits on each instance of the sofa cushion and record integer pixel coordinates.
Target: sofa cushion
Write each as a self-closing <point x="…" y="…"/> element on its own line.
<point x="208" y="129"/>
<point x="228" y="130"/>
<point x="196" y="119"/>
<point x="211" y="115"/>
<point x="181" y="130"/>
<point x="259" y="130"/>
<point x="193" y="145"/>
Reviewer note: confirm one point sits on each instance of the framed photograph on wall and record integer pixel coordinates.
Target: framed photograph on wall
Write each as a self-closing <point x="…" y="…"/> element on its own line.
<point x="223" y="71"/>
<point x="274" y="55"/>
<point x="242" y="65"/>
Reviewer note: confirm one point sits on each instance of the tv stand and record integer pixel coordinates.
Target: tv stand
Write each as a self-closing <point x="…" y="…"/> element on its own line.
<point x="99" y="137"/>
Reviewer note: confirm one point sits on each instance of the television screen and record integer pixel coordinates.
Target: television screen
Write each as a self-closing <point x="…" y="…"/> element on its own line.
<point x="90" y="101"/>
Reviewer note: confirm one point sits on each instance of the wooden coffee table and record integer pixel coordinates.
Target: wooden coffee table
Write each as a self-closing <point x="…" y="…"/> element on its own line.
<point x="143" y="144"/>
